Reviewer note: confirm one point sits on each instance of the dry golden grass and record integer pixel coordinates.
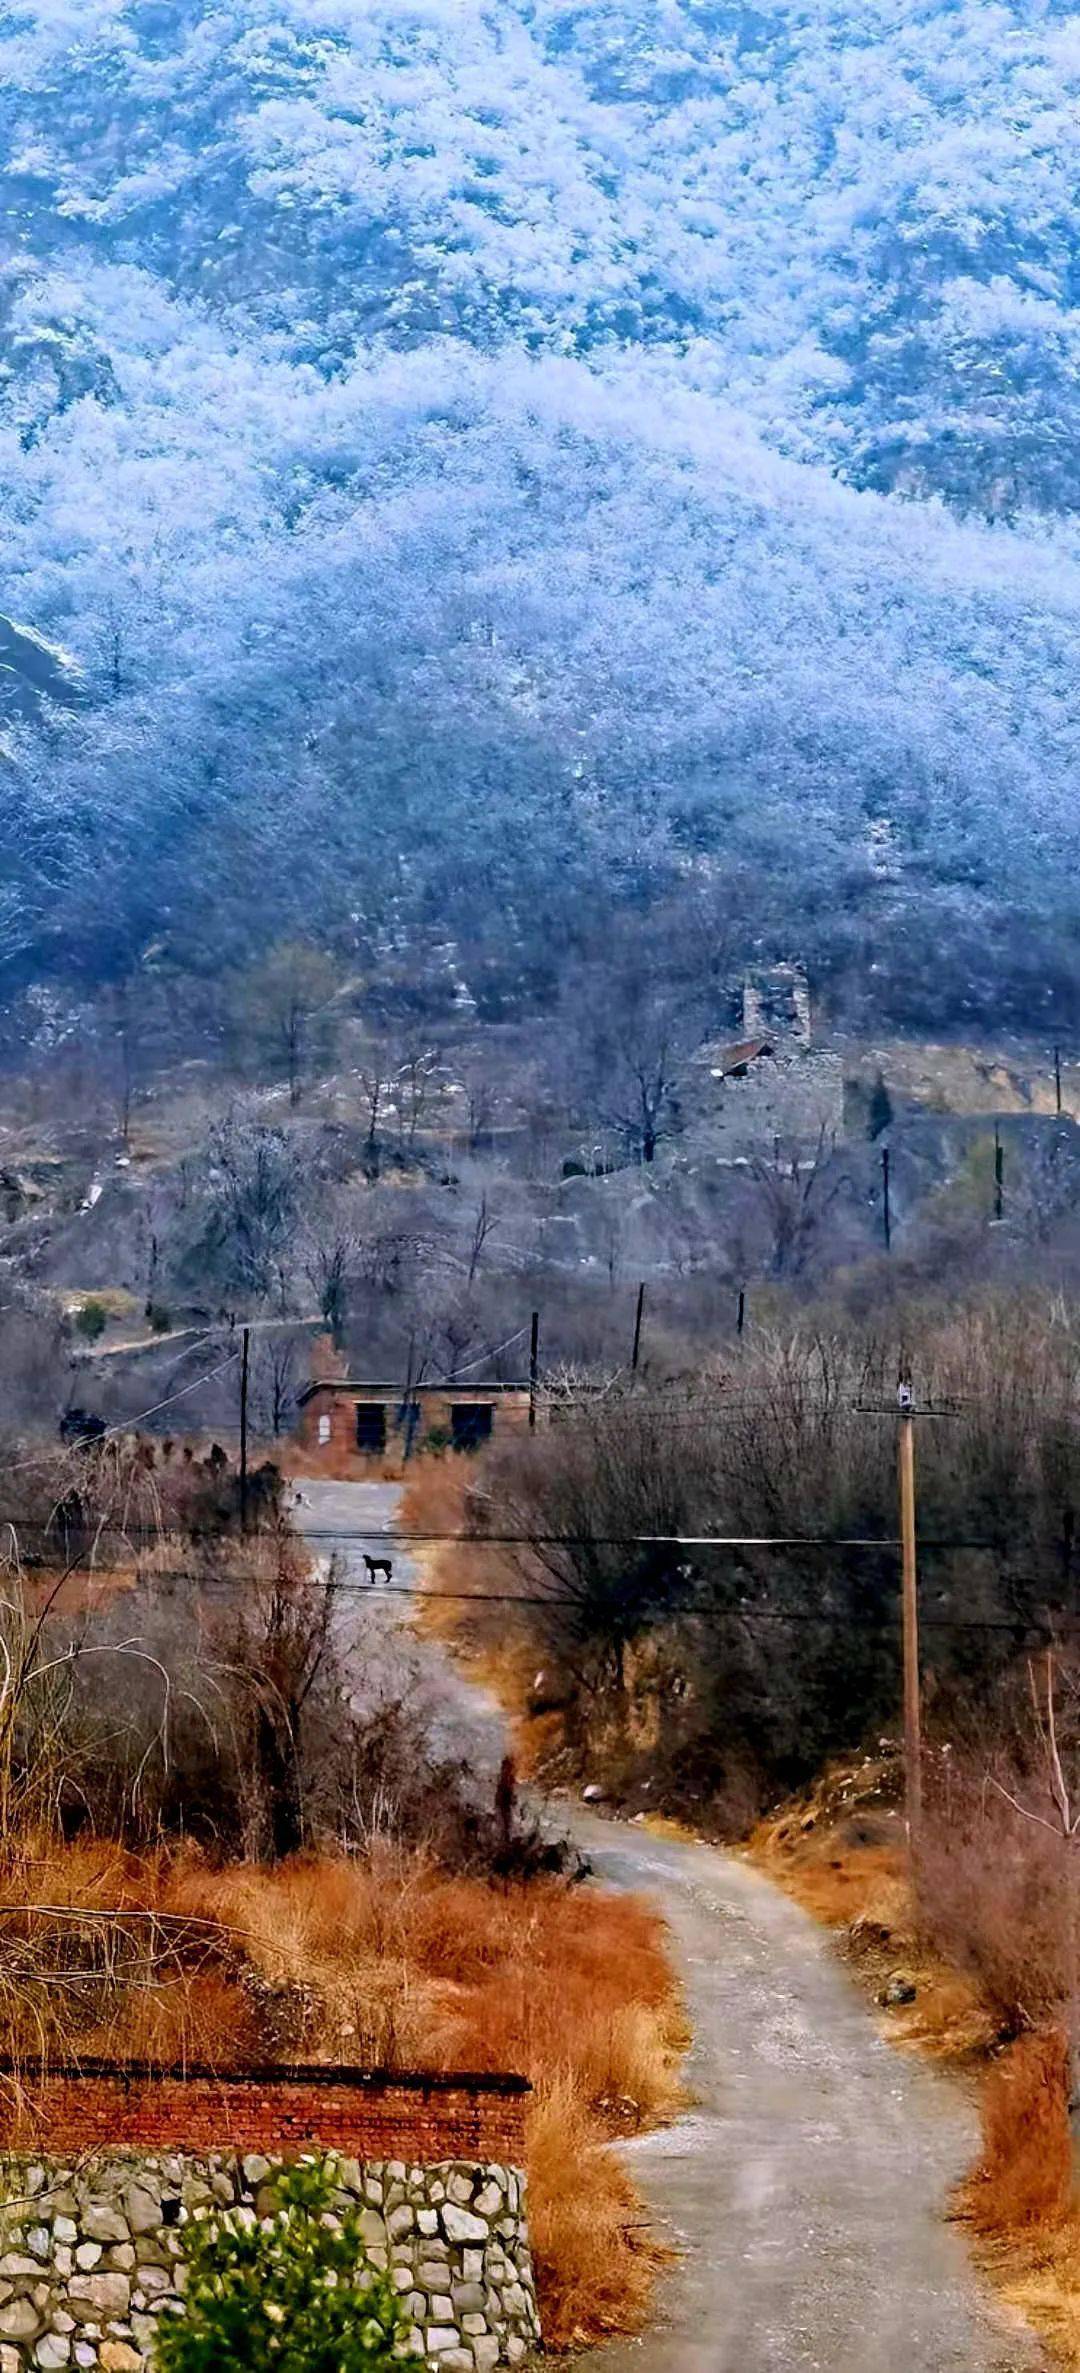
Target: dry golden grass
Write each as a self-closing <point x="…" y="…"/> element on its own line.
<point x="597" y="2255"/>
<point x="1020" y="2202"/>
<point x="1024" y="2178"/>
<point x="387" y="1961"/>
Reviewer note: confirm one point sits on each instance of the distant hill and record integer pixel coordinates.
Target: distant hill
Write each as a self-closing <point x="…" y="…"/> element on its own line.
<point x="524" y="452"/>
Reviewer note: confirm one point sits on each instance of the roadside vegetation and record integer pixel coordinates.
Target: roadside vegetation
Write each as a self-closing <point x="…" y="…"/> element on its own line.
<point x="970" y="1955"/>
<point x="215" y="1845"/>
<point x="719" y="1685"/>
<point x="714" y="1680"/>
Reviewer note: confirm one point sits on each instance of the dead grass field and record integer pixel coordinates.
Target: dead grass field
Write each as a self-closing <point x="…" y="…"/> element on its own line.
<point x="387" y="1961"/>
<point x="840" y="1851"/>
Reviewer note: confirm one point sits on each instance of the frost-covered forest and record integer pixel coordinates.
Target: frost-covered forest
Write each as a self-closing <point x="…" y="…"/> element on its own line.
<point x="468" y="458"/>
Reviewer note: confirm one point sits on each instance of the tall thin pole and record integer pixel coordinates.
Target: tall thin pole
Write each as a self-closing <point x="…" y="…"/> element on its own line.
<point x="740" y="1315"/>
<point x="638" y="1315"/>
<point x="999" y="1174"/>
<point x="245" y="1373"/>
<point x="886" y="1205"/>
<point x="534" y="1368"/>
<point x="1057" y="1077"/>
<point x="912" y="1717"/>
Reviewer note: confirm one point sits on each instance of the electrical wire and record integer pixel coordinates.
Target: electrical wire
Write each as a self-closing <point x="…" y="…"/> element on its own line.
<point x="886" y="1619"/>
<point x="152" y="1533"/>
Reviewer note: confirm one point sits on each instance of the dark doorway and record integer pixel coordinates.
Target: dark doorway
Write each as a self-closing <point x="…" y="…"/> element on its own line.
<point x="371" y="1425"/>
<point x="471" y="1423"/>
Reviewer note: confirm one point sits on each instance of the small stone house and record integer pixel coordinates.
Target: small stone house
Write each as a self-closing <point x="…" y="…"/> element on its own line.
<point x="772" y="1084"/>
<point x="349" y="1418"/>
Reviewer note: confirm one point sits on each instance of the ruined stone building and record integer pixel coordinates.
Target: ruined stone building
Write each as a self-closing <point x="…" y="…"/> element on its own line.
<point x="772" y="1084"/>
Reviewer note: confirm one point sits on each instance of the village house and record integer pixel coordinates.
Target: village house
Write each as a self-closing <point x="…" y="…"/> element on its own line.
<point x="349" y="1418"/>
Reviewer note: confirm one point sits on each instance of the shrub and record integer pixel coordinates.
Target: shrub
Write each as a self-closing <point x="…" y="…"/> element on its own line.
<point x="158" y="1319"/>
<point x="91" y="1320"/>
<point x="294" y="2292"/>
<point x="1025" y="2175"/>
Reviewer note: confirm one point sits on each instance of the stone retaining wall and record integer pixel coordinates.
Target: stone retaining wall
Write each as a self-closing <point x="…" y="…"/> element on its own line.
<point x="92" y="2252"/>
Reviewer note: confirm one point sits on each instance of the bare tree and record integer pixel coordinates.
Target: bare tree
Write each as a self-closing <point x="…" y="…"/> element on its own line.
<point x="485" y="1221"/>
<point x="333" y="1244"/>
<point x="280" y="1652"/>
<point x="414" y="1083"/>
<point x="625" y="1042"/>
<point x="796" y="1193"/>
<point x="284" y="1008"/>
<point x="249" y="1187"/>
<point x="479" y="1098"/>
<point x="276" y="1383"/>
<point x="373" y="1086"/>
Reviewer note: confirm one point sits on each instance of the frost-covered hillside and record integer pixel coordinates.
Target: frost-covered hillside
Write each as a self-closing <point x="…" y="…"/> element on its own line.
<point x="481" y="443"/>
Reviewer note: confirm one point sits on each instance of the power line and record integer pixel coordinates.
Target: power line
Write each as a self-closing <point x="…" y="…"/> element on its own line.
<point x="151" y="1533"/>
<point x="887" y="1619"/>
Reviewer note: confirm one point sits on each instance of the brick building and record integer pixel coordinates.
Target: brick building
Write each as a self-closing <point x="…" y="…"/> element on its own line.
<point x="343" y="1416"/>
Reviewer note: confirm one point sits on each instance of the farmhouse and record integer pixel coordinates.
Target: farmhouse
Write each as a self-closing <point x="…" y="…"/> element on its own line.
<point x="353" y="1419"/>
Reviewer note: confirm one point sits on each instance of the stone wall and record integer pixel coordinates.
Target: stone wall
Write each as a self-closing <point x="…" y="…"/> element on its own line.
<point x="92" y="2252"/>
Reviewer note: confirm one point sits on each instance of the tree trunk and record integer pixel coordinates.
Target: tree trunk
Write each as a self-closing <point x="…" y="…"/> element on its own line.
<point x="280" y="1779"/>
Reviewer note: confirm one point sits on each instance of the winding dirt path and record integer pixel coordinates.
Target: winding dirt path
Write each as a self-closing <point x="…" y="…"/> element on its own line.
<point x="806" y="2189"/>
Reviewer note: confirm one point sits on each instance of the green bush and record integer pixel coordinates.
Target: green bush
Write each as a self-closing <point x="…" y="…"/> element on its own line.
<point x="91" y="1319"/>
<point x="292" y="2294"/>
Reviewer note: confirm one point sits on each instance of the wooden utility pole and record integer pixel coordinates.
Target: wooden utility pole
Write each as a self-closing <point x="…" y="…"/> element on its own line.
<point x="245" y="1378"/>
<point x="905" y="1408"/>
<point x="999" y="1174"/>
<point x="886" y="1205"/>
<point x="638" y="1315"/>
<point x="534" y="1368"/>
<point x="1057" y="1078"/>
<point x="740" y="1317"/>
<point x="912" y="1708"/>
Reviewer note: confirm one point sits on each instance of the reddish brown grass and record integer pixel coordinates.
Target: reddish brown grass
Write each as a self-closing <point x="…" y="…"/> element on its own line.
<point x="1025" y="2175"/>
<point x="387" y="1960"/>
<point x="597" y="2255"/>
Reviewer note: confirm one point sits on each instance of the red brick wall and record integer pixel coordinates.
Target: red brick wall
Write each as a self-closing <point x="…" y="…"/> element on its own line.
<point x="418" y="2118"/>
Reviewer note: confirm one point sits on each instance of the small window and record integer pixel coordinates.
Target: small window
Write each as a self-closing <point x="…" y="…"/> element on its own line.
<point x="324" y="1426"/>
<point x="471" y="1423"/>
<point x="371" y="1425"/>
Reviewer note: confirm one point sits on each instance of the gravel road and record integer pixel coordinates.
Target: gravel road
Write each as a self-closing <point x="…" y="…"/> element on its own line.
<point x="806" y="2188"/>
<point x="384" y="1656"/>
